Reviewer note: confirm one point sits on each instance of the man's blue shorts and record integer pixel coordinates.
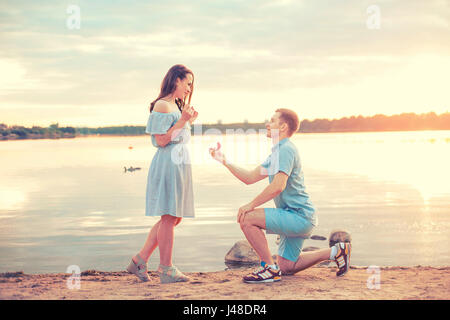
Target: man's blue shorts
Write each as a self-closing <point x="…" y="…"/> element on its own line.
<point x="293" y="229"/>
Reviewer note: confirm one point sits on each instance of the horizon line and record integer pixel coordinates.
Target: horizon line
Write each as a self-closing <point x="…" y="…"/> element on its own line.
<point x="247" y="122"/>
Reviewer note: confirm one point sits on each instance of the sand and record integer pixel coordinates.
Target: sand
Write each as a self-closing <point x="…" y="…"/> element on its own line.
<point x="311" y="284"/>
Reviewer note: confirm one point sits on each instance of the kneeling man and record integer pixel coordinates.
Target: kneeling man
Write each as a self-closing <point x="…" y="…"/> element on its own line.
<point x="294" y="216"/>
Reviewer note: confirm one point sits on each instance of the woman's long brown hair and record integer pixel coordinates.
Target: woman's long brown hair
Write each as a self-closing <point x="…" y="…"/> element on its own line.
<point x="169" y="84"/>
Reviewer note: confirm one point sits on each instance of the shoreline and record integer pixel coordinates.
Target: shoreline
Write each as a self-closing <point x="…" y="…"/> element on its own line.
<point x="316" y="283"/>
<point x="72" y="137"/>
<point x="36" y="137"/>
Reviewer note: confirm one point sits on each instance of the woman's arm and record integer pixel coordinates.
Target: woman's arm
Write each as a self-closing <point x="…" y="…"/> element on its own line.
<point x="163" y="139"/>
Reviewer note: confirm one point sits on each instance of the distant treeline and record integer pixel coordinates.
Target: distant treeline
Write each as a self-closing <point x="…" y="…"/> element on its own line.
<point x="380" y="122"/>
<point x="401" y="122"/>
<point x="120" y="130"/>
<point x="54" y="131"/>
<point x="35" y="132"/>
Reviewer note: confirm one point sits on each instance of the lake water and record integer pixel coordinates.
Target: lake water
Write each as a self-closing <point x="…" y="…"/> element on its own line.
<point x="70" y="202"/>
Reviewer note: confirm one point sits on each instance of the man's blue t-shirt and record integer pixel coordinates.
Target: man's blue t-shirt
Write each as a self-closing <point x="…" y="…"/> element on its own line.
<point x="285" y="158"/>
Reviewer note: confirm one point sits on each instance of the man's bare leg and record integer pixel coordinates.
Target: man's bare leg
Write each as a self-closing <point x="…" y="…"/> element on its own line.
<point x="252" y="225"/>
<point x="305" y="261"/>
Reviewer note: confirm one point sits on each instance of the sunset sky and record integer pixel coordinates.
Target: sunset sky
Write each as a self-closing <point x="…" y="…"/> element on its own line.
<point x="324" y="59"/>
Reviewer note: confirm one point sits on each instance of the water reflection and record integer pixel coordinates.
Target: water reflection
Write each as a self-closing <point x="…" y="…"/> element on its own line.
<point x="74" y="203"/>
<point x="420" y="164"/>
<point x="11" y="199"/>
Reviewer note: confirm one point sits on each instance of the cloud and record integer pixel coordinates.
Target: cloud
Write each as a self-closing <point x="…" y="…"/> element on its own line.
<point x="262" y="48"/>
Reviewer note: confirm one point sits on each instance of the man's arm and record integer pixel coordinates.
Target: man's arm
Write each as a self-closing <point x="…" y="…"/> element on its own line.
<point x="277" y="186"/>
<point x="246" y="176"/>
<point x="272" y="190"/>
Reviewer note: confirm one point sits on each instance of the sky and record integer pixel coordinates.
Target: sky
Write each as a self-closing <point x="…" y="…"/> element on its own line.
<point x="100" y="63"/>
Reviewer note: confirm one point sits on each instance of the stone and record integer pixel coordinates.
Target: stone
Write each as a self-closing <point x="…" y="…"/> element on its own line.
<point x="339" y="236"/>
<point x="316" y="237"/>
<point x="241" y="254"/>
<point x="310" y="249"/>
<point x="12" y="274"/>
<point x="91" y="273"/>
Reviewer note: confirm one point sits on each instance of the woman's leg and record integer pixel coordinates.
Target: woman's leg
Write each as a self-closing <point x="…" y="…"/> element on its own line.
<point x="152" y="242"/>
<point x="165" y="237"/>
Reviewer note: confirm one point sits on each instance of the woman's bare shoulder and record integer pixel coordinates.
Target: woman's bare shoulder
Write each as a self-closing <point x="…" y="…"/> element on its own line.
<point x="162" y="106"/>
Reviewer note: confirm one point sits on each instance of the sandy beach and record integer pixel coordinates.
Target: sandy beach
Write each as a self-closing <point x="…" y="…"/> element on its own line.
<point x="317" y="283"/>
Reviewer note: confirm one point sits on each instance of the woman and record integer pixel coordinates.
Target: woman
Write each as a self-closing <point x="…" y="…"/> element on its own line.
<point x="169" y="186"/>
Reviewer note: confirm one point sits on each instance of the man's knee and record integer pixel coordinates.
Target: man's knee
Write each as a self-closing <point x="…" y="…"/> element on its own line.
<point x="286" y="270"/>
<point x="244" y="224"/>
<point x="246" y="221"/>
<point x="253" y="218"/>
<point x="286" y="266"/>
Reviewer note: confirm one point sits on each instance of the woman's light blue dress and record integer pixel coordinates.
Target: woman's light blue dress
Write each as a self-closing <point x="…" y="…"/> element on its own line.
<point x="169" y="183"/>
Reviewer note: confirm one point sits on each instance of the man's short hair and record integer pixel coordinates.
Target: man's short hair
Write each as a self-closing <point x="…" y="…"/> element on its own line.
<point x="290" y="118"/>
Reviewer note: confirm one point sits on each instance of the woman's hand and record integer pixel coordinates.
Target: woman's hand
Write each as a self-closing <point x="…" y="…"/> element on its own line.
<point x="194" y="116"/>
<point x="188" y="112"/>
